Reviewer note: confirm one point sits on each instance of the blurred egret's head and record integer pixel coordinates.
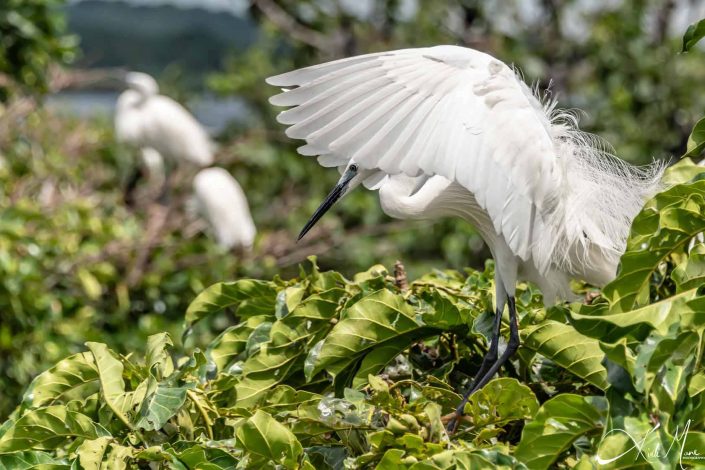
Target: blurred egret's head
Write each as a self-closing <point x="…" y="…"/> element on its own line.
<point x="142" y="83"/>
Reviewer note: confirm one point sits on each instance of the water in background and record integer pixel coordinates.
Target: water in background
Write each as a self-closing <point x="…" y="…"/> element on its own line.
<point x="214" y="113"/>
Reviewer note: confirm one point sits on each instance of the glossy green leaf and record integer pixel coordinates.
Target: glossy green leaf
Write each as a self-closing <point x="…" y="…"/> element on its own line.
<point x="233" y="341"/>
<point x="160" y="405"/>
<point x="558" y="423"/>
<point x="263" y="435"/>
<point x="112" y="385"/>
<point x="696" y="140"/>
<point x="687" y="308"/>
<point x="157" y="358"/>
<point x="690" y="273"/>
<point x="379" y="357"/>
<point x="48" y="428"/>
<point x="693" y="34"/>
<point x="379" y="317"/>
<point x="195" y="456"/>
<point x="499" y="402"/>
<point x="27" y="460"/>
<point x="250" y="297"/>
<point x="665" y="225"/>
<point x="92" y="452"/>
<point x="73" y="378"/>
<point x="574" y="352"/>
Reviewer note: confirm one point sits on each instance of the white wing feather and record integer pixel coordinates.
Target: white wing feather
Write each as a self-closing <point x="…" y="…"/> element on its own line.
<point x="442" y="110"/>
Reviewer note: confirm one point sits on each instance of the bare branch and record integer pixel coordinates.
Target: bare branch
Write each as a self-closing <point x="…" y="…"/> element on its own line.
<point x="284" y="21"/>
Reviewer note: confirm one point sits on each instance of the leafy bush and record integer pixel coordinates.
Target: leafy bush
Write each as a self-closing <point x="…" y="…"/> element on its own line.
<point x="321" y="371"/>
<point x="33" y="37"/>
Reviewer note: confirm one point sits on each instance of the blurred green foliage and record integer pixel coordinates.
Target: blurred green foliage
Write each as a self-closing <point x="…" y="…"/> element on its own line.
<point x="70" y="250"/>
<point x="32" y="37"/>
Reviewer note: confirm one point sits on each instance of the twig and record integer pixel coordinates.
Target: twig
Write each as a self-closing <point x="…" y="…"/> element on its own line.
<point x="284" y="21"/>
<point x="400" y="276"/>
<point x="157" y="219"/>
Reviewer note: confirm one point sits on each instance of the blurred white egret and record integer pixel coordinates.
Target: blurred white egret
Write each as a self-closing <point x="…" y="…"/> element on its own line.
<point x="222" y="201"/>
<point x="146" y="119"/>
<point x="450" y="131"/>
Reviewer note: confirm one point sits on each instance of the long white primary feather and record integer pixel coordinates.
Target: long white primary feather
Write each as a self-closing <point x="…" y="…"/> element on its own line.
<point x="224" y="204"/>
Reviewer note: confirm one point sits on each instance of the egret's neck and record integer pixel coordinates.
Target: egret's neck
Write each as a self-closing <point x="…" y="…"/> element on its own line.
<point x="406" y="197"/>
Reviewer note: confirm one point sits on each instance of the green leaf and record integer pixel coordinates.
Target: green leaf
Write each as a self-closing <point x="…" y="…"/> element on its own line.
<point x="326" y="457"/>
<point x="665" y="225"/>
<point x="693" y="34"/>
<point x="499" y="402"/>
<point x="288" y="339"/>
<point x="160" y="405"/>
<point x="91" y="452"/>
<point x="691" y="272"/>
<point x="697" y="384"/>
<point x="696" y="140"/>
<point x="90" y="284"/>
<point x="558" y="423"/>
<point x="263" y="435"/>
<point x="157" y="358"/>
<point x="112" y="385"/>
<point x="47" y="429"/>
<point x="73" y="378"/>
<point x="27" y="460"/>
<point x="379" y="317"/>
<point x="683" y="171"/>
<point x="657" y="350"/>
<point x="233" y="341"/>
<point x="574" y="352"/>
<point x="197" y="457"/>
<point x="686" y="308"/>
<point x="379" y="357"/>
<point x="249" y="296"/>
<point x="263" y="371"/>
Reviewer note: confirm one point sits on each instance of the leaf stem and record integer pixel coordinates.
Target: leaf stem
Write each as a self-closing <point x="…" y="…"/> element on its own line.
<point x="207" y="421"/>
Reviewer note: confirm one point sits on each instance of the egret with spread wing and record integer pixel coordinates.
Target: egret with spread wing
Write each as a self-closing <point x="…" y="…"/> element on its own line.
<point x="450" y="131"/>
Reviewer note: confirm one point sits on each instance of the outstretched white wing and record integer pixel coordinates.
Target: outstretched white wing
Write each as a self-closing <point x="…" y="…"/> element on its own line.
<point x="443" y="110"/>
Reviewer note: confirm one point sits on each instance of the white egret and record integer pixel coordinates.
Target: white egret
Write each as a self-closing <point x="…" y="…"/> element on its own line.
<point x="146" y="119"/>
<point x="450" y="131"/>
<point x="222" y="201"/>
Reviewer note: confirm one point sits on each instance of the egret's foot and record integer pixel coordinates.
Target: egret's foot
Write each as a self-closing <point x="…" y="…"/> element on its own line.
<point x="453" y="423"/>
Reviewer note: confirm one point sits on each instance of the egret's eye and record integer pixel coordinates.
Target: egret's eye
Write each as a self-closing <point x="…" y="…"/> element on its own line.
<point x="353" y="167"/>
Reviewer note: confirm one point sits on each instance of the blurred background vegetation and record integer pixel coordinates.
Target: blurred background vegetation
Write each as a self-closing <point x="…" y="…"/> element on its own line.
<point x="76" y="264"/>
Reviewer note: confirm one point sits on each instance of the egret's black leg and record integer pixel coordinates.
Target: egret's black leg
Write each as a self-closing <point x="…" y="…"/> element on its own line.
<point x="487" y="361"/>
<point x="131" y="186"/>
<point x="164" y="197"/>
<point x="491" y="356"/>
<point x="512" y="346"/>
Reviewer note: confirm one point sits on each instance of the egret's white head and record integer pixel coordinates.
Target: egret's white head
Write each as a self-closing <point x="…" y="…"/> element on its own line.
<point x="353" y="175"/>
<point x="142" y="83"/>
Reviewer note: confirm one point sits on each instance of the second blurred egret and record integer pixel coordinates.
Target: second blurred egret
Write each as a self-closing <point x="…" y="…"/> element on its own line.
<point x="223" y="202"/>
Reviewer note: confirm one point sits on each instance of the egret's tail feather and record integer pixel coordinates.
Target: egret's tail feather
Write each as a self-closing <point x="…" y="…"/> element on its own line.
<point x="604" y="194"/>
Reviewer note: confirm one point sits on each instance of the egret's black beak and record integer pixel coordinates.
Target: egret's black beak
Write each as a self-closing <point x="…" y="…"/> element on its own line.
<point x="336" y="193"/>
